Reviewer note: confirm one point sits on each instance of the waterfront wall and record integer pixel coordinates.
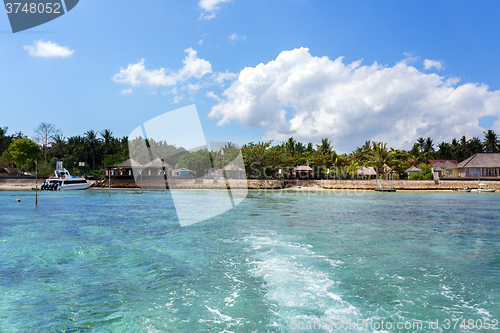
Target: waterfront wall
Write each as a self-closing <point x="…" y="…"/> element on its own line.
<point x="267" y="184"/>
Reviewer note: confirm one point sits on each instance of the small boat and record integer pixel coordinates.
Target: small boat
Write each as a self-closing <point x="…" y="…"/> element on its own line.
<point x="385" y="190"/>
<point x="63" y="181"/>
<point x="468" y="189"/>
<point x="483" y="188"/>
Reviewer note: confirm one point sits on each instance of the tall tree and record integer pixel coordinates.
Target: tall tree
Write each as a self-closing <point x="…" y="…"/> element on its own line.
<point x="92" y="141"/>
<point x="22" y="150"/>
<point x="491" y="142"/>
<point x="45" y="135"/>
<point x="429" y="145"/>
<point x="325" y="148"/>
<point x="4" y="139"/>
<point x="107" y="136"/>
<point x="421" y="142"/>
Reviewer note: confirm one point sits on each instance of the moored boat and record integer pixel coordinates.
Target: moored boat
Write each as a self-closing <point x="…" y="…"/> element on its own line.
<point x="483" y="188"/>
<point x="468" y="189"/>
<point x="63" y="181"/>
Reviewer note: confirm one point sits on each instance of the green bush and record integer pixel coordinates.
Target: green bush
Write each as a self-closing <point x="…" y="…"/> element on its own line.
<point x="416" y="177"/>
<point x="97" y="173"/>
<point x="429" y="176"/>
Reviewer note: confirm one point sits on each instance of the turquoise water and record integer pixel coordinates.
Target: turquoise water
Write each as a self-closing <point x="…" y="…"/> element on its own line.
<point x="84" y="262"/>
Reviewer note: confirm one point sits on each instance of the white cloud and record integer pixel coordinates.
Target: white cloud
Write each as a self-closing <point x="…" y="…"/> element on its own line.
<point x="211" y="94"/>
<point x="210" y="7"/>
<point x="314" y="97"/>
<point x="220" y="77"/>
<point x="428" y="64"/>
<point x="177" y="99"/>
<point x="234" y="37"/>
<point x="137" y="74"/>
<point x="200" y="42"/>
<point x="127" y="91"/>
<point x="48" y="50"/>
<point x="192" y="87"/>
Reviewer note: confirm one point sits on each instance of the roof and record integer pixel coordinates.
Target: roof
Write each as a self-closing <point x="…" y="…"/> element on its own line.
<point x="302" y="168"/>
<point x="5" y="170"/>
<point x="157" y="163"/>
<point x="444" y="164"/>
<point x="366" y="171"/>
<point x="182" y="169"/>
<point x="386" y="169"/>
<point x="413" y="168"/>
<point x="130" y="163"/>
<point x="232" y="167"/>
<point x="481" y="160"/>
<point x="438" y="168"/>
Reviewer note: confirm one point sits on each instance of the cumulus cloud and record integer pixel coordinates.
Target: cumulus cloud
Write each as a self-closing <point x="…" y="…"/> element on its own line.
<point x="220" y="77"/>
<point x="210" y="7"/>
<point x="428" y="64"/>
<point x="234" y="37"/>
<point x="48" y="50"/>
<point x="310" y="97"/>
<point x="137" y="74"/>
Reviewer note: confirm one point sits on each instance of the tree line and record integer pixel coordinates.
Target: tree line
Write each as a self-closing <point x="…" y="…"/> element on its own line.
<point x="97" y="150"/>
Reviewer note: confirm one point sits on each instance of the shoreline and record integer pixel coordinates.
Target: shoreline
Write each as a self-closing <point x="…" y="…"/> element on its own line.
<point x="20" y="188"/>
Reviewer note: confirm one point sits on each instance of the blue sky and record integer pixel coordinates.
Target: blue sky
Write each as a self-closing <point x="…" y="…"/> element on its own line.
<point x="409" y="69"/>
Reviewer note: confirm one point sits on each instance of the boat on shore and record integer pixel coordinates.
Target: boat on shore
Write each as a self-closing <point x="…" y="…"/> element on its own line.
<point x="483" y="188"/>
<point x="468" y="189"/>
<point x="63" y="181"/>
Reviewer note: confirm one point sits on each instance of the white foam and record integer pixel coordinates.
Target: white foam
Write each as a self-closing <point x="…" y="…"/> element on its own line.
<point x="295" y="282"/>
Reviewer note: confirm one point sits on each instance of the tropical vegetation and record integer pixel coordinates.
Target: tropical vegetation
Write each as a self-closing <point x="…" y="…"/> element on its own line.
<point x="262" y="159"/>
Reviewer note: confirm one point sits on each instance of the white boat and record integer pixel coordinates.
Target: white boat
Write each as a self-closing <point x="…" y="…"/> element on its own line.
<point x="63" y="181"/>
<point x="483" y="188"/>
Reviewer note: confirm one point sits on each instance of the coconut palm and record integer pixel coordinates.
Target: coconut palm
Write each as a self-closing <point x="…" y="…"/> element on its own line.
<point x="421" y="142"/>
<point x="491" y="142"/>
<point x="381" y="156"/>
<point x="92" y="141"/>
<point x="107" y="136"/>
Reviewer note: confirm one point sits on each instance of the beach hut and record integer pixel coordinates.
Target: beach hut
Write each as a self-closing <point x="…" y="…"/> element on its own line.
<point x="183" y="173"/>
<point x="213" y="173"/>
<point x="366" y="173"/>
<point x="124" y="168"/>
<point x="233" y="172"/>
<point x="156" y="167"/>
<point x="413" y="171"/>
<point x="302" y="172"/>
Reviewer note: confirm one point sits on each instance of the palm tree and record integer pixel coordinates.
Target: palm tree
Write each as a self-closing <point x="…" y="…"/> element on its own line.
<point x="4" y="139"/>
<point x="491" y="142"/>
<point x="445" y="151"/>
<point x="107" y="135"/>
<point x="429" y="145"/>
<point x="290" y="146"/>
<point x="92" y="141"/>
<point x="381" y="156"/>
<point x="421" y="142"/>
<point x="325" y="148"/>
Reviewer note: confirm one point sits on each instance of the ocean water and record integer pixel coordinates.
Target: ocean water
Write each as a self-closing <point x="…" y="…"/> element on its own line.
<point x="278" y="262"/>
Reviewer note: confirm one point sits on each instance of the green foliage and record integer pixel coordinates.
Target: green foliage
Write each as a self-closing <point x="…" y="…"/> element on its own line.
<point x="23" y="150"/>
<point x="53" y="162"/>
<point x="197" y="161"/>
<point x="98" y="174"/>
<point x="429" y="176"/>
<point x="416" y="176"/>
<point x="111" y="160"/>
<point x="70" y="162"/>
<point x="425" y="168"/>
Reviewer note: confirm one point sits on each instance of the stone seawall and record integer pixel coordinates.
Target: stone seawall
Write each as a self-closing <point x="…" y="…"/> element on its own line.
<point x="261" y="184"/>
<point x="267" y="184"/>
